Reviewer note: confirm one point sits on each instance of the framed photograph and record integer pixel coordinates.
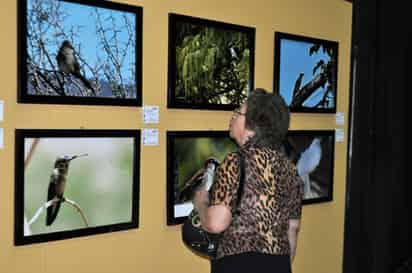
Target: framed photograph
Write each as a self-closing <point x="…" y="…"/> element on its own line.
<point x="79" y="52"/>
<point x="71" y="183"/>
<point x="187" y="153"/>
<point x="305" y="73"/>
<point x="211" y="64"/>
<point x="313" y="153"/>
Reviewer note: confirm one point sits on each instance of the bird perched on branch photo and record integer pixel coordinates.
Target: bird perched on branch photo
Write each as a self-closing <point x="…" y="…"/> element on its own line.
<point x="201" y="180"/>
<point x="68" y="63"/>
<point x="57" y="185"/>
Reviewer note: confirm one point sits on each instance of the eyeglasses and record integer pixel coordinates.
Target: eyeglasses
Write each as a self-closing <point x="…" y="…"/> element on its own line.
<point x="237" y="112"/>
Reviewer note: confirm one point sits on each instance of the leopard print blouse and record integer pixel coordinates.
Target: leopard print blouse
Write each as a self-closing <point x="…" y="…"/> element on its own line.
<point x="272" y="195"/>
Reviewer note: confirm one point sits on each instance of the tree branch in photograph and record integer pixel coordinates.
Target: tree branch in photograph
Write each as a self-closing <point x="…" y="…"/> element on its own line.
<point x="326" y="76"/>
<point x="42" y="19"/>
<point x="44" y="207"/>
<point x="115" y="50"/>
<point x="31" y="152"/>
<point x="78" y="209"/>
<point x="307" y="90"/>
<point x="41" y="82"/>
<point x="40" y="210"/>
<point x="46" y="32"/>
<point x="26" y="225"/>
<point x="47" y="29"/>
<point x="229" y="86"/>
<point x="325" y="98"/>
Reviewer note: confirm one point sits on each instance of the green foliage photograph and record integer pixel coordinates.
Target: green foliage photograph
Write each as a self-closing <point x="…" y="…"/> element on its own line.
<point x="210" y="63"/>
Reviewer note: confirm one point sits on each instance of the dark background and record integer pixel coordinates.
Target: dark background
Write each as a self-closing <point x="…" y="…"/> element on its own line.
<point x="378" y="224"/>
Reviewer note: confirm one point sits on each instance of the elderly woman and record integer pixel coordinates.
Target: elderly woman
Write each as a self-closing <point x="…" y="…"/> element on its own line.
<point x="262" y="235"/>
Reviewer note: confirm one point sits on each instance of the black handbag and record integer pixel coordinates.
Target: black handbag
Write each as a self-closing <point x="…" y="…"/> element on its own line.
<point x="200" y="241"/>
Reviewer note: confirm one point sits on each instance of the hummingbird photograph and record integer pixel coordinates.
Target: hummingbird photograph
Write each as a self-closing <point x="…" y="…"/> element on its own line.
<point x="76" y="180"/>
<point x="57" y="185"/>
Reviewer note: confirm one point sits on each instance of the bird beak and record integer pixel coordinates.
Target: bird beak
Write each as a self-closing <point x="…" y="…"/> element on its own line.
<point x="77" y="156"/>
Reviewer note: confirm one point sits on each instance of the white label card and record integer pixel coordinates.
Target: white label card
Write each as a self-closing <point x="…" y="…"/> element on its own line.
<point x="1" y="110"/>
<point x="1" y="138"/>
<point x="150" y="114"/>
<point x="339" y="135"/>
<point x="150" y="137"/>
<point x="340" y="118"/>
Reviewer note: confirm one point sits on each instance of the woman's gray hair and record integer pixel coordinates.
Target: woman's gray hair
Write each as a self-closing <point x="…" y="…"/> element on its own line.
<point x="268" y="116"/>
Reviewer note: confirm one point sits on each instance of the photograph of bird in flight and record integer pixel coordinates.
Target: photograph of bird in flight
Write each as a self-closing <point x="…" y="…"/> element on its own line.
<point x="75" y="52"/>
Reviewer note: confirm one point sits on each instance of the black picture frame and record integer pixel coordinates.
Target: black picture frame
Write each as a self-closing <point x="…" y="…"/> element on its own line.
<point x="107" y="42"/>
<point x="318" y="186"/>
<point x="297" y="56"/>
<point x="183" y="146"/>
<point x="101" y="194"/>
<point x="224" y="68"/>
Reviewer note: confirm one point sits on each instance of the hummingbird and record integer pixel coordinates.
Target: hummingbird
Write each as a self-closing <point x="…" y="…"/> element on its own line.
<point x="57" y="185"/>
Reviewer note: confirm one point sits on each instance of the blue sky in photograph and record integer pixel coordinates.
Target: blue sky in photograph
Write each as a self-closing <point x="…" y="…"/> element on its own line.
<point x="294" y="59"/>
<point x="82" y="17"/>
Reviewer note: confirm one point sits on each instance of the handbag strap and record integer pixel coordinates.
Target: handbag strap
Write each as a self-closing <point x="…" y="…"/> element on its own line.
<point x="241" y="161"/>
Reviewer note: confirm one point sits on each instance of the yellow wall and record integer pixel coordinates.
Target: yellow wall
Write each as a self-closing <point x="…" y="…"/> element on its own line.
<point x="156" y="247"/>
